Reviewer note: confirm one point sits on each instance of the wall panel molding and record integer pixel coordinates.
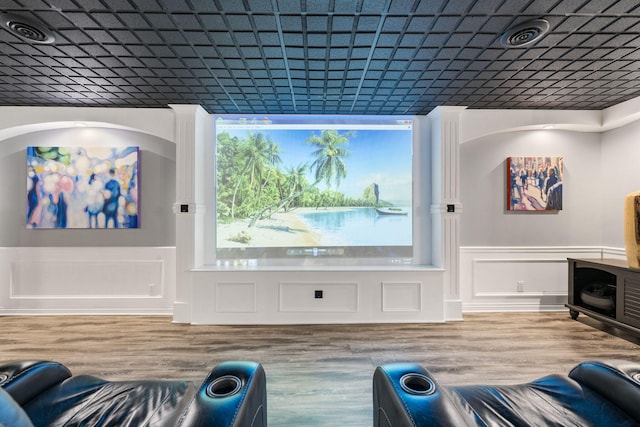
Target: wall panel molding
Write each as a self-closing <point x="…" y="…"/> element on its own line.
<point x="336" y="297"/>
<point x="87" y="280"/>
<point x="402" y="296"/>
<point x="292" y="296"/>
<point x="235" y="298"/>
<point x="520" y="278"/>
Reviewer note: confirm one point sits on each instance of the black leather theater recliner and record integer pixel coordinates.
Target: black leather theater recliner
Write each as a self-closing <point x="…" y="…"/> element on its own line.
<point x="42" y="393"/>
<point x="593" y="394"/>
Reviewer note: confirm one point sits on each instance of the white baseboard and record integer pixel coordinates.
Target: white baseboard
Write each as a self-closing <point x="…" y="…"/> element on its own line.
<point x="510" y="307"/>
<point x="453" y="310"/>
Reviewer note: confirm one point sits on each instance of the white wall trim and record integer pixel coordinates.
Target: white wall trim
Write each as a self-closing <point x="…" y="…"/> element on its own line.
<point x="453" y="310"/>
<point x="511" y="308"/>
<point x="349" y="296"/>
<point x="608" y="252"/>
<point x="87" y="280"/>
<point x="489" y="276"/>
<point x="533" y="249"/>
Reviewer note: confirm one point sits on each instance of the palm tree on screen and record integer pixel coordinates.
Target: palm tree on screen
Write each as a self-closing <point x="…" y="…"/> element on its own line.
<point x="329" y="156"/>
<point x="328" y="166"/>
<point x="296" y="181"/>
<point x="273" y="160"/>
<point x="256" y="154"/>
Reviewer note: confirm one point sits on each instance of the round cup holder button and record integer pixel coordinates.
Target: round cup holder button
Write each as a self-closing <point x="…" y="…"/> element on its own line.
<point x="225" y="386"/>
<point x="417" y="384"/>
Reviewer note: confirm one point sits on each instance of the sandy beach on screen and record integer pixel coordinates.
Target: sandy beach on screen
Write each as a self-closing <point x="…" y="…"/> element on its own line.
<point x="265" y="232"/>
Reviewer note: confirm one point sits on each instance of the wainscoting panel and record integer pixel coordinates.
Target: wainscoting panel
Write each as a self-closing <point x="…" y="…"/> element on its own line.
<point x="235" y="297"/>
<point x="288" y="295"/>
<point x="517" y="278"/>
<point x="504" y="277"/>
<point x="401" y="296"/>
<point x="127" y="280"/>
<point x="77" y="278"/>
<point x="335" y="297"/>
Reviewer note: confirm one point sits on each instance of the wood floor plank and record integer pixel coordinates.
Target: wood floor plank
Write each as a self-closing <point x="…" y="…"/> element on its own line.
<point x="318" y="375"/>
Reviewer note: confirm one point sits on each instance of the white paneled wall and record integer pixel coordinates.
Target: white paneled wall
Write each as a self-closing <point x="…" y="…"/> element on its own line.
<point x="87" y="280"/>
<point x="347" y="295"/>
<point x="519" y="278"/>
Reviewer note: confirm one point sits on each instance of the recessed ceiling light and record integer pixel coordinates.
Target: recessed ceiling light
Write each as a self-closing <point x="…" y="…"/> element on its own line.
<point x="525" y="33"/>
<point x="26" y="29"/>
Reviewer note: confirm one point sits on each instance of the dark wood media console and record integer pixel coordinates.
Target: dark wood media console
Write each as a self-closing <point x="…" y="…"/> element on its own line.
<point x="607" y="290"/>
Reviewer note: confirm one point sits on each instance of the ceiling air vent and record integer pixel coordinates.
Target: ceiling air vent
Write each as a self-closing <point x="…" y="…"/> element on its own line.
<point x="525" y="33"/>
<point x="26" y="29"/>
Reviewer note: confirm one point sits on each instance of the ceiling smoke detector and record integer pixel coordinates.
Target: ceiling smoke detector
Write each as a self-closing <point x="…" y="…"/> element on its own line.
<point x="26" y="29"/>
<point x="525" y="33"/>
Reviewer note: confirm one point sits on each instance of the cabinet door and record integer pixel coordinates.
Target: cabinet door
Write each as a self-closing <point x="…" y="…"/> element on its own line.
<point x="629" y="313"/>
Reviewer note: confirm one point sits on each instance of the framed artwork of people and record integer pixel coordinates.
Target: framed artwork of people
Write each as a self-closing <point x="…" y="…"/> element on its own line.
<point x="534" y="183"/>
<point x="82" y="187"/>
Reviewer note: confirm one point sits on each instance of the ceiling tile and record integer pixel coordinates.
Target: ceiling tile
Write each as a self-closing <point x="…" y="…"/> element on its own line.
<point x="397" y="56"/>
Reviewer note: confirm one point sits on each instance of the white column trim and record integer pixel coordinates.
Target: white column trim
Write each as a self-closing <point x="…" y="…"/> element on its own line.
<point x="446" y="206"/>
<point x="189" y="138"/>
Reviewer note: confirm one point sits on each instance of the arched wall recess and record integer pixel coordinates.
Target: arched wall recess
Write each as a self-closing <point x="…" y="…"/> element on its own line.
<point x="153" y="121"/>
<point x="91" y="134"/>
<point x="478" y="124"/>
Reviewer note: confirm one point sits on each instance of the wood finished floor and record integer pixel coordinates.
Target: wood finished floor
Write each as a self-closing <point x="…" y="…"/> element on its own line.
<point x="318" y="375"/>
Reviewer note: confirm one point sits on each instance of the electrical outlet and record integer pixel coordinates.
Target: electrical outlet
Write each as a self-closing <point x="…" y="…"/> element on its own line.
<point x="318" y="294"/>
<point x="520" y="285"/>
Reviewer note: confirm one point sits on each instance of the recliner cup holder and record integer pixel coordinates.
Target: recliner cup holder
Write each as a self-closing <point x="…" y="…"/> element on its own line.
<point x="4" y="377"/>
<point x="225" y="386"/>
<point x="417" y="384"/>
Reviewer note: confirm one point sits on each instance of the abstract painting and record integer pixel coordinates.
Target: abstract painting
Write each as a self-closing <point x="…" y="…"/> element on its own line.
<point x="534" y="183"/>
<point x="82" y="187"/>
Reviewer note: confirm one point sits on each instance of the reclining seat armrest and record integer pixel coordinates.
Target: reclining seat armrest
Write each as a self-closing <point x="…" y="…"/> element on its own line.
<point x="12" y="414"/>
<point x="234" y="394"/>
<point x="616" y="380"/>
<point x="26" y="379"/>
<point x="406" y="394"/>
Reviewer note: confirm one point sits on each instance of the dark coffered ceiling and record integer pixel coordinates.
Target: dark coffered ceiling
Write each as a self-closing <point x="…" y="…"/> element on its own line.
<point x="320" y="56"/>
